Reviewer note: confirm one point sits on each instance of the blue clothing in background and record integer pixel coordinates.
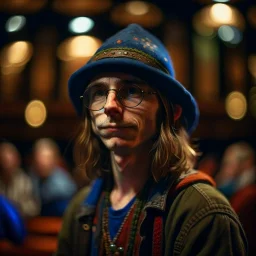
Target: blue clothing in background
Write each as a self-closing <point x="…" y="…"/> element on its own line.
<point x="54" y="192"/>
<point x="12" y="225"/>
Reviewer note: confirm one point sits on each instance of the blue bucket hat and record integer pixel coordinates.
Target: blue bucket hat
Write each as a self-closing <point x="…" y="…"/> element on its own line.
<point x="135" y="51"/>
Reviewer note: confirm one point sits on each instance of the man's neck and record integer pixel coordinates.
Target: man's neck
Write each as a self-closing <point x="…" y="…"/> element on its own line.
<point x="130" y="175"/>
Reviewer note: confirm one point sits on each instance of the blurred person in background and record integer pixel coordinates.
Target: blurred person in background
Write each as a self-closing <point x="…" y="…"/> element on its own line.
<point x="237" y="168"/>
<point x="237" y="181"/>
<point x="53" y="184"/>
<point x="15" y="184"/>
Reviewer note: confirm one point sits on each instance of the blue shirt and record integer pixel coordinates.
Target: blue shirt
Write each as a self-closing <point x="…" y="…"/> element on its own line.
<point x="116" y="217"/>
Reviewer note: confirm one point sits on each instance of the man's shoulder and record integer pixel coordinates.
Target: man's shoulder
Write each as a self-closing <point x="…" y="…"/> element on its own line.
<point x="201" y="199"/>
<point x="206" y="194"/>
<point x="197" y="191"/>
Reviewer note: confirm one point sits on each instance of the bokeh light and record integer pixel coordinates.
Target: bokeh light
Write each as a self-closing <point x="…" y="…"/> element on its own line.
<point x="230" y="34"/>
<point x="35" y="113"/>
<point x="236" y="105"/>
<point x="80" y="25"/>
<point x="74" y="47"/>
<point x="14" y="56"/>
<point x="15" y="23"/>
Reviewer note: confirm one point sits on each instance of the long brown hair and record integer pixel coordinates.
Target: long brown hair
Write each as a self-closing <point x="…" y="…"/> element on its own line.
<point x="171" y="151"/>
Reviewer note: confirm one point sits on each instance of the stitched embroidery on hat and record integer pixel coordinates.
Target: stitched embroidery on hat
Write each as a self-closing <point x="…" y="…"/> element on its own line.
<point x="129" y="53"/>
<point x="146" y="43"/>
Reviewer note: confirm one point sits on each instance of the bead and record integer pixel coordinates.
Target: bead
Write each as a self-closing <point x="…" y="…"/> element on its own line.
<point x="136" y="208"/>
<point x="112" y="248"/>
<point x="120" y="249"/>
<point x="86" y="227"/>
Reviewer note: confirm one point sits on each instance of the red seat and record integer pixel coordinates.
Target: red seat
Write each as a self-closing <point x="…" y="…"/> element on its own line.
<point x="42" y="238"/>
<point x="44" y="225"/>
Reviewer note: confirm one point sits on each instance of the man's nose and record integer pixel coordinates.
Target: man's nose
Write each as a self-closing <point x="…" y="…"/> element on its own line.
<point x="112" y="103"/>
<point x="111" y="96"/>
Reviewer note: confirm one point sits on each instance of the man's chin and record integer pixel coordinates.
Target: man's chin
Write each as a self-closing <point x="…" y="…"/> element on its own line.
<point x="119" y="147"/>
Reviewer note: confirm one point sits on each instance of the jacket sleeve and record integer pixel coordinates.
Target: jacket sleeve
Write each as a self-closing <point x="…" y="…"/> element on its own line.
<point x="215" y="234"/>
<point x="201" y="222"/>
<point x="65" y="238"/>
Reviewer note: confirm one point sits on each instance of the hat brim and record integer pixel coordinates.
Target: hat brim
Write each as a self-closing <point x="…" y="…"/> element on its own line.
<point x="172" y="89"/>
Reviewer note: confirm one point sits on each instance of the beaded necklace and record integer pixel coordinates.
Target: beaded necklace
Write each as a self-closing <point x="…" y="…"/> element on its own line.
<point x="136" y="208"/>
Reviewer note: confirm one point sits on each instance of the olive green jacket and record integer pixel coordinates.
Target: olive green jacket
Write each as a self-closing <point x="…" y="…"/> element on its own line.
<point x="198" y="220"/>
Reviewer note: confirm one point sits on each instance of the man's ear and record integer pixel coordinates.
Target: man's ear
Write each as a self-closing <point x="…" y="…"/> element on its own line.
<point x="177" y="112"/>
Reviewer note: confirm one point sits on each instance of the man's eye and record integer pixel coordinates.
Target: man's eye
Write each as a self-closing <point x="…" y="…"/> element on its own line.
<point x="96" y="94"/>
<point x="133" y="91"/>
<point x="100" y="93"/>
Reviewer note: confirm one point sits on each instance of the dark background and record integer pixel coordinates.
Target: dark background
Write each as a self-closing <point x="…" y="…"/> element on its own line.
<point x="216" y="129"/>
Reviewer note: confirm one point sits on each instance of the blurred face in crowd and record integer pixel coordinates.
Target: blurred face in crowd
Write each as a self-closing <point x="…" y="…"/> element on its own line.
<point x="230" y="164"/>
<point x="9" y="159"/>
<point x="237" y="159"/>
<point x="44" y="161"/>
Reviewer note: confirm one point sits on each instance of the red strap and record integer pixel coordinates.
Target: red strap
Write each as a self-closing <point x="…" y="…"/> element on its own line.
<point x="158" y="221"/>
<point x="157" y="236"/>
<point x="195" y="177"/>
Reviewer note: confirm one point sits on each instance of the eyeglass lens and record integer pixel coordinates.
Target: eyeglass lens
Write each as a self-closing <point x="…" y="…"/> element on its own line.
<point x="95" y="97"/>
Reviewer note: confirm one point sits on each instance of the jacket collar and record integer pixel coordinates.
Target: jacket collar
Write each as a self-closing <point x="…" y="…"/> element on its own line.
<point x="156" y="199"/>
<point x="158" y="196"/>
<point x="88" y="206"/>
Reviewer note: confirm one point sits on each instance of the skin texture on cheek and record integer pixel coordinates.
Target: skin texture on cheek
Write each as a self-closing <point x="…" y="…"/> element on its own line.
<point x="138" y="136"/>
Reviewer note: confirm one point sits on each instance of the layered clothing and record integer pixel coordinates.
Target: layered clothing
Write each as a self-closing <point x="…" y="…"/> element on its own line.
<point x="187" y="216"/>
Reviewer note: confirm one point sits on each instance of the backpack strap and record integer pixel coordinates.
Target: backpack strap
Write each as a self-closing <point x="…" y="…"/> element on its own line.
<point x="193" y="178"/>
<point x="158" y="236"/>
<point x="158" y="227"/>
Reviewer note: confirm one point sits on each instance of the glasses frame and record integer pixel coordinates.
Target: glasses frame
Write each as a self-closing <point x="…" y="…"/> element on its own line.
<point x="118" y="96"/>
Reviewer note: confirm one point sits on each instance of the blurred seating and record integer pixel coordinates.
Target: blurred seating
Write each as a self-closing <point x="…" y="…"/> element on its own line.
<point x="42" y="238"/>
<point x="44" y="225"/>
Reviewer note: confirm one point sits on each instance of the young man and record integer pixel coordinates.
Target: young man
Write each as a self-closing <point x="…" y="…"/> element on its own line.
<point x="145" y="198"/>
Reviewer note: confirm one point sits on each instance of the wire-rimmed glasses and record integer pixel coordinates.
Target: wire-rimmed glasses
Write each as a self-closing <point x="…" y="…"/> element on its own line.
<point x="130" y="96"/>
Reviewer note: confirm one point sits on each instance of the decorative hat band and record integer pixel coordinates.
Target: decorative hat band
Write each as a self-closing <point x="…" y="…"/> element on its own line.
<point x="129" y="53"/>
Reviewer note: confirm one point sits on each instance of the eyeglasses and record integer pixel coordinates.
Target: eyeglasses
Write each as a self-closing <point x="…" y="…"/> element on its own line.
<point x="130" y="96"/>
